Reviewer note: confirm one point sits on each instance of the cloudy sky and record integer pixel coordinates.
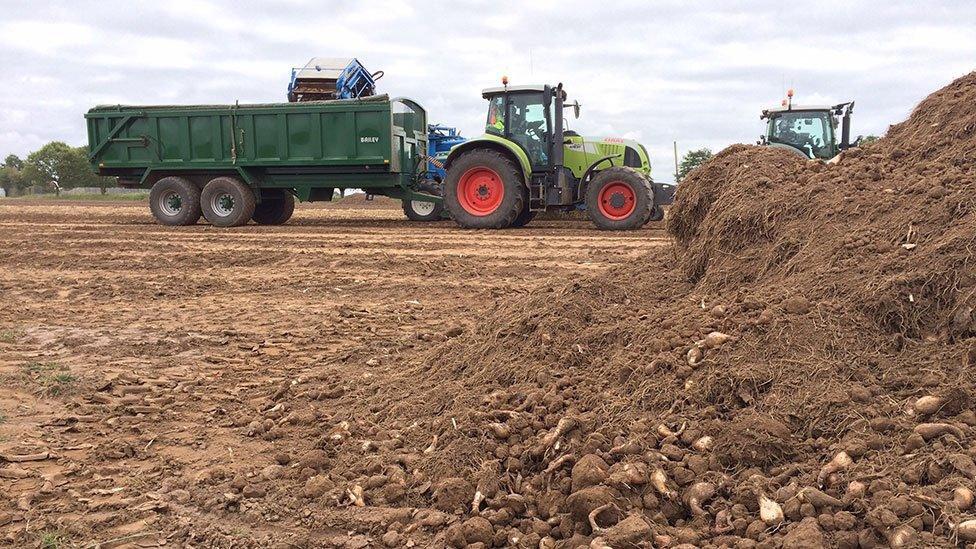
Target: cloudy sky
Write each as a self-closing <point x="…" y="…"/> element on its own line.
<point x="657" y="71"/>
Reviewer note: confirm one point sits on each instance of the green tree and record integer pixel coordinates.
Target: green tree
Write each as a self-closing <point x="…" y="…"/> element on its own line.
<point x="13" y="161"/>
<point x="691" y="160"/>
<point x="63" y="166"/>
<point x="11" y="180"/>
<point x="868" y="139"/>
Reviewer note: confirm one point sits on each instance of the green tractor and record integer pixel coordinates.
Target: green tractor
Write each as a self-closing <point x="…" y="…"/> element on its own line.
<point x="810" y="131"/>
<point x="527" y="162"/>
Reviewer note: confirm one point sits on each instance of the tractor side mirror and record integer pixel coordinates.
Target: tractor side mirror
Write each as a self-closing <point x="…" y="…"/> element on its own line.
<point x="576" y="109"/>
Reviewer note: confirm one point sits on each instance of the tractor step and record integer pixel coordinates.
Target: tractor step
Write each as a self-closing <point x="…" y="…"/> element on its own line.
<point x="537" y="193"/>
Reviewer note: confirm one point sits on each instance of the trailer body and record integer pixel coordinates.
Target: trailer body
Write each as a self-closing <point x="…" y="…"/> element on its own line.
<point x="309" y="149"/>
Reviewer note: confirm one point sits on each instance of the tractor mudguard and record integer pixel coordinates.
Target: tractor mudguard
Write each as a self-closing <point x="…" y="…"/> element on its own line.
<point x="512" y="150"/>
<point x="589" y="171"/>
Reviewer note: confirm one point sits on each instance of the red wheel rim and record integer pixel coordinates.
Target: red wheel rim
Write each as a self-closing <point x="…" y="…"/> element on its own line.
<point x="480" y="191"/>
<point x="617" y="200"/>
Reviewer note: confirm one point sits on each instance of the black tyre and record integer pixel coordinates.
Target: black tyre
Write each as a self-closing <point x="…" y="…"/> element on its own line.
<point x="524" y="218"/>
<point x="422" y="210"/>
<point x="175" y="201"/>
<point x="227" y="202"/>
<point x="619" y="199"/>
<point x="484" y="190"/>
<point x="657" y="213"/>
<point x="274" y="209"/>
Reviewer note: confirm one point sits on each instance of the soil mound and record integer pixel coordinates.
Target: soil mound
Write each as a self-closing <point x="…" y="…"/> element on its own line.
<point x="798" y="367"/>
<point x="888" y="228"/>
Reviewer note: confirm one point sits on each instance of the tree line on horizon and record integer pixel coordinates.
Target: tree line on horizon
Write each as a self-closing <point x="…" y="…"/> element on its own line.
<point x="54" y="167"/>
<point x="58" y="166"/>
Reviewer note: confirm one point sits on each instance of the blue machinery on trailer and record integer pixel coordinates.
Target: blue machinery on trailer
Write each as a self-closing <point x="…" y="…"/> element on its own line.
<point x="324" y="78"/>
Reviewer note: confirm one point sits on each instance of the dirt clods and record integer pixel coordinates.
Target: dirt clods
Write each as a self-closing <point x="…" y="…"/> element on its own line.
<point x="758" y="383"/>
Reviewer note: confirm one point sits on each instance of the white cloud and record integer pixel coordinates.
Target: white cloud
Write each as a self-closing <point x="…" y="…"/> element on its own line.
<point x="43" y="37"/>
<point x="660" y="71"/>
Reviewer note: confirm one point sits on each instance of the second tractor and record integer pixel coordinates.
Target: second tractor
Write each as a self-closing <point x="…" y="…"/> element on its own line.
<point x="809" y="131"/>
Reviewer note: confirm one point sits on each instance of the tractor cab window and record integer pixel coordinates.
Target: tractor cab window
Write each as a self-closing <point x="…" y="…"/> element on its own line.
<point x="527" y="126"/>
<point x="496" y="116"/>
<point x="810" y="132"/>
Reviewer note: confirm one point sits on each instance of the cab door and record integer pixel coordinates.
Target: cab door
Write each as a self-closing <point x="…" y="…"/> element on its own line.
<point x="528" y="126"/>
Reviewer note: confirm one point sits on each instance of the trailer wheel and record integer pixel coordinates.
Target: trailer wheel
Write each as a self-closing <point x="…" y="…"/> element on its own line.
<point x="175" y="201"/>
<point x="275" y="209"/>
<point x="483" y="190"/>
<point x="227" y="202"/>
<point x="423" y="210"/>
<point x="619" y="199"/>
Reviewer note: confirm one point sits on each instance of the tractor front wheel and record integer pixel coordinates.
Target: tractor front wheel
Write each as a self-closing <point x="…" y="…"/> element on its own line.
<point x="657" y="213"/>
<point x="484" y="190"/>
<point x="619" y="199"/>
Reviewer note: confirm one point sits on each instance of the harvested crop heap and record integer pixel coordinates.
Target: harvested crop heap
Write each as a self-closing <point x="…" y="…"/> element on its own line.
<point x="797" y="371"/>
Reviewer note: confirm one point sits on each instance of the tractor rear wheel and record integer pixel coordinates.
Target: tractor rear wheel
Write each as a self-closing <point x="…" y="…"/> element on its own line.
<point x="619" y="199"/>
<point x="275" y="209"/>
<point x="227" y="202"/>
<point x="484" y="190"/>
<point x="424" y="210"/>
<point x="175" y="201"/>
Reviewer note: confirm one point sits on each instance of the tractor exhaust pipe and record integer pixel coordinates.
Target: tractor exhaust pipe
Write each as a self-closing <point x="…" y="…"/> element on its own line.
<point x="557" y="132"/>
<point x="845" y="130"/>
<point x="565" y="186"/>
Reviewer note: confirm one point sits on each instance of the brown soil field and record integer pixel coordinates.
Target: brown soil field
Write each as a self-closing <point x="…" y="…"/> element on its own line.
<point x="170" y="387"/>
<point x="792" y="366"/>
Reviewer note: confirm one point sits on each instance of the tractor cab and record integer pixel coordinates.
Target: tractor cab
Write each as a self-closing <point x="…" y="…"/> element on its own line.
<point x="529" y="116"/>
<point x="810" y="131"/>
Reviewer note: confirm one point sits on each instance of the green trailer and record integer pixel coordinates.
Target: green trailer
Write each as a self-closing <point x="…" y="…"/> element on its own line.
<point x="235" y="163"/>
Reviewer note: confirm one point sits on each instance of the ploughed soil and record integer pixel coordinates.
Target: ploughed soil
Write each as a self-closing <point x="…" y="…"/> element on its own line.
<point x="174" y="387"/>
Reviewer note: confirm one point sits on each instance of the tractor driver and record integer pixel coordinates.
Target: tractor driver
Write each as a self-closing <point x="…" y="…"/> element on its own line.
<point x="496" y="117"/>
<point x="784" y="131"/>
